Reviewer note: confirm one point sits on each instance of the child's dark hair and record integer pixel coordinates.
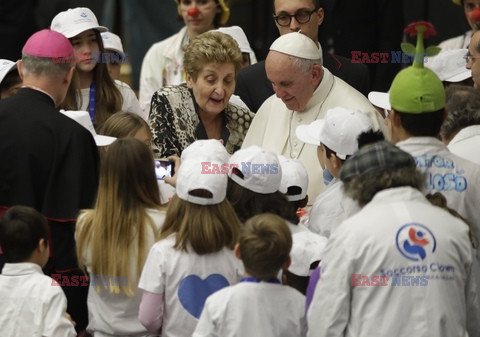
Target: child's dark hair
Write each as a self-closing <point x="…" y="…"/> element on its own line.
<point x="21" y="228"/>
<point x="11" y="79"/>
<point x="248" y="203"/>
<point x="265" y="244"/>
<point x="369" y="137"/>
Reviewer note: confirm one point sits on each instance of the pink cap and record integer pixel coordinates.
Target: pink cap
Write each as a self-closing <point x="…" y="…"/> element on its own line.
<point x="48" y="43"/>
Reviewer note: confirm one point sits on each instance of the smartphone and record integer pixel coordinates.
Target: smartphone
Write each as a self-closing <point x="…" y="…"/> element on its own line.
<point x="164" y="168"/>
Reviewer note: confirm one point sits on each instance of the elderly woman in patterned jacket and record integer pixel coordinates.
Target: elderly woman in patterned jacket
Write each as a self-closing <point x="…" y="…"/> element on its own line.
<point x="200" y="109"/>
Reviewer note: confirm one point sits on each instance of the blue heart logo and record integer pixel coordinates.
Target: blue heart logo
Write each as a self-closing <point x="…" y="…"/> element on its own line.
<point x="193" y="291"/>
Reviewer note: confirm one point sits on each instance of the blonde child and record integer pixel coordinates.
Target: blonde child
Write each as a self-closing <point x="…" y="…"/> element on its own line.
<point x="100" y="95"/>
<point x="127" y="124"/>
<point x="194" y="257"/>
<point x="113" y="239"/>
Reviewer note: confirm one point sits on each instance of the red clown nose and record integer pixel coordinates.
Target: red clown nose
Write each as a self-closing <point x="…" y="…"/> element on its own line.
<point x="476" y="14"/>
<point x="193" y="12"/>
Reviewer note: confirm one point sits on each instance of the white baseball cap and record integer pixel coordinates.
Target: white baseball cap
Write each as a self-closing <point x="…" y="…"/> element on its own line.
<point x="294" y="173"/>
<point x="380" y="99"/>
<point x="239" y="35"/>
<point x="298" y="45"/>
<point x="191" y="177"/>
<point x="310" y="133"/>
<point x="83" y="118"/>
<point x="340" y="130"/>
<point x="75" y="21"/>
<point x="206" y="150"/>
<point x="307" y="248"/>
<point x="113" y="42"/>
<point x="5" y="67"/>
<point x="450" y="65"/>
<point x="257" y="170"/>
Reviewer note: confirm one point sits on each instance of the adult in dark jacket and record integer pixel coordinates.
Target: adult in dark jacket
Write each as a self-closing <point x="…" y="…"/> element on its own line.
<point x="306" y="16"/>
<point x="49" y="161"/>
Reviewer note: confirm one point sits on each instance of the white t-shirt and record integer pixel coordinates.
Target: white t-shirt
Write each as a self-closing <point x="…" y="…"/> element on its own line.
<point x="117" y="314"/>
<point x="130" y="101"/>
<point x="186" y="279"/>
<point x="31" y="303"/>
<point x="253" y="309"/>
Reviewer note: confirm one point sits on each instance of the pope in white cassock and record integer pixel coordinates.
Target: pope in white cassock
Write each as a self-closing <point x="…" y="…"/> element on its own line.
<point x="304" y="91"/>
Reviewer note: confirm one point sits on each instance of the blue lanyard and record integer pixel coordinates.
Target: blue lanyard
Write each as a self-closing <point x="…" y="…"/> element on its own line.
<point x="91" y="104"/>
<point x="256" y="280"/>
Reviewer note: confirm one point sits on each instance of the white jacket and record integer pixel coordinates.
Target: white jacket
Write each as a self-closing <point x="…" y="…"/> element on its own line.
<point x="161" y="66"/>
<point x="435" y="291"/>
<point x="330" y="209"/>
<point x="32" y="304"/>
<point x="466" y="143"/>
<point x="458" y="42"/>
<point x="456" y="178"/>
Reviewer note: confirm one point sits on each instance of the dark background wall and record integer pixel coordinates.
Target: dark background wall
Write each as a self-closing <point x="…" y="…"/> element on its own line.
<point x="143" y="22"/>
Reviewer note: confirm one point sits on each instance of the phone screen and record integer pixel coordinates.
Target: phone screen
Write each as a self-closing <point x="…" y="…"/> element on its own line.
<point x="164" y="168"/>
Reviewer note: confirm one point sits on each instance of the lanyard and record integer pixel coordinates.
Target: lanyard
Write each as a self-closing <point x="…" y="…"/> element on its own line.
<point x="256" y="280"/>
<point x="91" y="104"/>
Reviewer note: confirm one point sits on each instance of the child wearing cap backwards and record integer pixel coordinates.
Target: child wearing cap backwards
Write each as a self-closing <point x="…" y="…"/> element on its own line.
<point x="294" y="185"/>
<point x="336" y="140"/>
<point x="32" y="303"/>
<point x="194" y="256"/>
<point x="10" y="80"/>
<point x="254" y="187"/>
<point x="259" y="305"/>
<point x="99" y="94"/>
<point x="114" y="238"/>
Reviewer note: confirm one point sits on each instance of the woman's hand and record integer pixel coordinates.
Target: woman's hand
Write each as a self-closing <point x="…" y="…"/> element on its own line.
<point x="173" y="180"/>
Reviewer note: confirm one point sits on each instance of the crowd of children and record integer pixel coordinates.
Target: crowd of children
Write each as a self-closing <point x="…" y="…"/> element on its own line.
<point x="230" y="247"/>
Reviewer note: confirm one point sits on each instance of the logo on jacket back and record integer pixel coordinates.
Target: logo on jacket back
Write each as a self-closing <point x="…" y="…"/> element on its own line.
<point x="415" y="241"/>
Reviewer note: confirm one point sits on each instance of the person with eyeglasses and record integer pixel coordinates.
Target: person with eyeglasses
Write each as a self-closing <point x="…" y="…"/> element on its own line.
<point x="305" y="16"/>
<point x="462" y="41"/>
<point x="473" y="54"/>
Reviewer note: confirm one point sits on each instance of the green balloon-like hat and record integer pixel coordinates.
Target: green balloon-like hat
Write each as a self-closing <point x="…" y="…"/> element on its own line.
<point x="417" y="89"/>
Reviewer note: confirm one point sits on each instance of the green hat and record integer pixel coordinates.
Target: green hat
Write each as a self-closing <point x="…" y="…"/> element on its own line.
<point x="457" y="2"/>
<point x="417" y="89"/>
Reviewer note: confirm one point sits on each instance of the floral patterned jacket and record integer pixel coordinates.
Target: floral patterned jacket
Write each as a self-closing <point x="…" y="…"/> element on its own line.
<point x="173" y="120"/>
